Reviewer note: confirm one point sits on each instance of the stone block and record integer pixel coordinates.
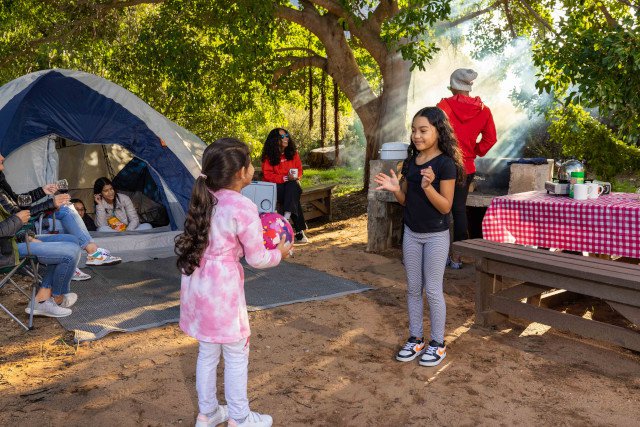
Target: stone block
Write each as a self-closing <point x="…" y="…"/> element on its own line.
<point x="528" y="177"/>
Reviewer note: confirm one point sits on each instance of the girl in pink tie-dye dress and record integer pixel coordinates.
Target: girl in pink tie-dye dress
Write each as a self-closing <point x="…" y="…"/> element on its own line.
<point x="221" y="227"/>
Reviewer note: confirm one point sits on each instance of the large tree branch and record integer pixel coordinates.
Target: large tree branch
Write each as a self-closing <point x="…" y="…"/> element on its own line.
<point x="470" y="16"/>
<point x="507" y="13"/>
<point x="628" y="3"/>
<point x="538" y="18"/>
<point x="297" y="49"/>
<point x="610" y="19"/>
<point x="297" y="63"/>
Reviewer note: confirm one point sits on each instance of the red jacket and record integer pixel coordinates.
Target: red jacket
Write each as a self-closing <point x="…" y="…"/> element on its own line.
<point x="469" y="118"/>
<point x="279" y="172"/>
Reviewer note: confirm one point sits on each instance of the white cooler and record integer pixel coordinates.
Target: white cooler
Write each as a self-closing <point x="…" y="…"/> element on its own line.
<point x="263" y="194"/>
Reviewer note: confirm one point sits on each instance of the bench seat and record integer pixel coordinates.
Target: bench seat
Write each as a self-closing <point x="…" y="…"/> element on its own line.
<point x="539" y="271"/>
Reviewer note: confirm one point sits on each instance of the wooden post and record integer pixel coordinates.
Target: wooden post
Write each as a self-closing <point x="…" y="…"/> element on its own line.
<point x="384" y="214"/>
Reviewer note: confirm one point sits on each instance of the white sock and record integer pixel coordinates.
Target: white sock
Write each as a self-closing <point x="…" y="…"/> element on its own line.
<point x="287" y="215"/>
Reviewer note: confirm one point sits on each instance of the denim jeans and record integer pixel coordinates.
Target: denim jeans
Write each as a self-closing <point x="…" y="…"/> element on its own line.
<point x="60" y="253"/>
<point x="69" y="221"/>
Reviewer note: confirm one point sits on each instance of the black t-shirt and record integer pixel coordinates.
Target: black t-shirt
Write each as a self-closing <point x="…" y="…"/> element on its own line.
<point x="419" y="214"/>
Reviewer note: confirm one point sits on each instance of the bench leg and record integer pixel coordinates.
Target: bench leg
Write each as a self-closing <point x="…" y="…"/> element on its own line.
<point x="486" y="285"/>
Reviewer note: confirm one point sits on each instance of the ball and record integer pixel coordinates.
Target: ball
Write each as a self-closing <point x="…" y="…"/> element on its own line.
<point x="275" y="228"/>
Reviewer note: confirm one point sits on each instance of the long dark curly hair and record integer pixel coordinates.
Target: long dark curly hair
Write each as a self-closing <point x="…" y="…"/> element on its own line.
<point x="220" y="162"/>
<point x="447" y="141"/>
<point x="271" y="147"/>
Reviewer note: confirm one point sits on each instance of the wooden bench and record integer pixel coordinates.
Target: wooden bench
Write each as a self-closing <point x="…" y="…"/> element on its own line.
<point x="539" y="271"/>
<point x="316" y="201"/>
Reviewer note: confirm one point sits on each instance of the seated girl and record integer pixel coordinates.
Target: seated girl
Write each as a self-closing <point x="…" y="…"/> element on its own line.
<point x="115" y="212"/>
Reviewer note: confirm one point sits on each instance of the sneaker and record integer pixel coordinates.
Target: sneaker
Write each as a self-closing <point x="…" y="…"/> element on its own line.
<point x="435" y="354"/>
<point x="49" y="308"/>
<point x="253" y="420"/>
<point x="80" y="275"/>
<point x="300" y="239"/>
<point x="413" y="348"/>
<point x="68" y="300"/>
<point x="454" y="265"/>
<point x="102" y="257"/>
<point x="218" y="417"/>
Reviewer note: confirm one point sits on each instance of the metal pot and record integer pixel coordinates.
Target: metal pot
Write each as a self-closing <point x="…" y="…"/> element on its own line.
<point x="565" y="169"/>
<point x="394" y="151"/>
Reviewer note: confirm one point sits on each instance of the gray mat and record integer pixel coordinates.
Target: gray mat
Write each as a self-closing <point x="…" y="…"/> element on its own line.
<point x="139" y="295"/>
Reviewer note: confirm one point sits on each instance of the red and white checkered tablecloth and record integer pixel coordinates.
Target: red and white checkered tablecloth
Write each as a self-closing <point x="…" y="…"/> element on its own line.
<point x="609" y="224"/>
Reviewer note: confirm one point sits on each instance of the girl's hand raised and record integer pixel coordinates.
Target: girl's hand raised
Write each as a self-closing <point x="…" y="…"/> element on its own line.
<point x="386" y="182"/>
<point x="427" y="177"/>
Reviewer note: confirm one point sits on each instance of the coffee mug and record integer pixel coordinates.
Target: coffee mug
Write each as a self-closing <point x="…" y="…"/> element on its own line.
<point x="294" y="172"/>
<point x="595" y="190"/>
<point x="581" y="191"/>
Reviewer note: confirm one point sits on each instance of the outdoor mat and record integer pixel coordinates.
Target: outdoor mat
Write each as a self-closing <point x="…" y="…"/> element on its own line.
<point x="139" y="295"/>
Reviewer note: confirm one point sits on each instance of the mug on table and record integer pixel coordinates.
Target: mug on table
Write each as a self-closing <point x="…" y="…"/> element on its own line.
<point x="595" y="190"/>
<point x="581" y="191"/>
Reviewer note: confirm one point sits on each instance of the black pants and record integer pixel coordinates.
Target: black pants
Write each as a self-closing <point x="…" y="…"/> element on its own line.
<point x="289" y="198"/>
<point x="459" y="210"/>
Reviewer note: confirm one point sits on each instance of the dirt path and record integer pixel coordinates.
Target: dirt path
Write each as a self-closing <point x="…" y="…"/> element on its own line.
<point x="328" y="363"/>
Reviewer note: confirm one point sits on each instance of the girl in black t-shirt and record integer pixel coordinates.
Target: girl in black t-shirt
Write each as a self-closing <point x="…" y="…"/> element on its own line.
<point x="426" y="190"/>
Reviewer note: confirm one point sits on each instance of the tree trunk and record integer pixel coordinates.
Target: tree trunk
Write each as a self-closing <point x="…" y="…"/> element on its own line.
<point x="387" y="122"/>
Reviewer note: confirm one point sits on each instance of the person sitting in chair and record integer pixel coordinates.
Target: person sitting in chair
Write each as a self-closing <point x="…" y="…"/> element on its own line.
<point x="67" y="216"/>
<point x="82" y="211"/>
<point x="115" y="212"/>
<point x="59" y="252"/>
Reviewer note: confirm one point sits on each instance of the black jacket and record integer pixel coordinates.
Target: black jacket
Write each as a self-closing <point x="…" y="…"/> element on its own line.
<point x="9" y="199"/>
<point x="9" y="226"/>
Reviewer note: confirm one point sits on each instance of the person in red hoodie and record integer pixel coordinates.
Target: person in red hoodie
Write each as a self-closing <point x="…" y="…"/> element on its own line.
<point x="469" y="118"/>
<point x="281" y="164"/>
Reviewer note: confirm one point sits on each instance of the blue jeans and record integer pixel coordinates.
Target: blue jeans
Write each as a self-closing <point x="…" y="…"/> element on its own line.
<point x="69" y="221"/>
<point x="60" y="253"/>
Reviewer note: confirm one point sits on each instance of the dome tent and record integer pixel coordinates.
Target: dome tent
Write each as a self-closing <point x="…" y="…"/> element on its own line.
<point x="92" y="125"/>
<point x="78" y="126"/>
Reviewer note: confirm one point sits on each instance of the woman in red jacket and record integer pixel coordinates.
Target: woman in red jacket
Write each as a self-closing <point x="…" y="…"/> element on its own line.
<point x="281" y="164"/>
<point x="469" y="118"/>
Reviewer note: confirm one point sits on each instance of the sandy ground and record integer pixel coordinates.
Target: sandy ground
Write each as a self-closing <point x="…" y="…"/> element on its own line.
<point x="327" y="363"/>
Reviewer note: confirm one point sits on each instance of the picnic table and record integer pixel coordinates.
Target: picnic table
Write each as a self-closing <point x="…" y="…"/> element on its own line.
<point x="608" y="225"/>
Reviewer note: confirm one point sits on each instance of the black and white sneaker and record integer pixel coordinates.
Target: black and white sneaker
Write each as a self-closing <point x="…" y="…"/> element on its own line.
<point x="435" y="354"/>
<point x="413" y="348"/>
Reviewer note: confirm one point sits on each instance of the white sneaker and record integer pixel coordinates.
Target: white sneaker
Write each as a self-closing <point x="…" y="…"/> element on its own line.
<point x="80" y="275"/>
<point x="49" y="308"/>
<point x="300" y="240"/>
<point x="221" y="415"/>
<point x="253" y="420"/>
<point x="102" y="257"/>
<point x="68" y="300"/>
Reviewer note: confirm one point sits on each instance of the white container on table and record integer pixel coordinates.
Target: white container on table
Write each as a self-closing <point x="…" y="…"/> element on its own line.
<point x="394" y="151"/>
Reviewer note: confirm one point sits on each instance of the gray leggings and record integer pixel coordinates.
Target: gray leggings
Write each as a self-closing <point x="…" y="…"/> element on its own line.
<point x="425" y="257"/>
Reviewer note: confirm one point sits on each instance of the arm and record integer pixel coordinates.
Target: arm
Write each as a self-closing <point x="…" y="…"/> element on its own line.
<point x="132" y="215"/>
<point x="269" y="173"/>
<point x="10" y="226"/>
<point x="249" y="231"/>
<point x="489" y="137"/>
<point x="101" y="214"/>
<point x="443" y="200"/>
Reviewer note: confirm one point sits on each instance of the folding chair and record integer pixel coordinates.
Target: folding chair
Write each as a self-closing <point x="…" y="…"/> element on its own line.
<point x="30" y="267"/>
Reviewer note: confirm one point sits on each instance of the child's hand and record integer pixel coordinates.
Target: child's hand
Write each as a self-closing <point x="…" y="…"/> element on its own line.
<point x="427" y="177"/>
<point x="285" y="248"/>
<point x="386" y="182"/>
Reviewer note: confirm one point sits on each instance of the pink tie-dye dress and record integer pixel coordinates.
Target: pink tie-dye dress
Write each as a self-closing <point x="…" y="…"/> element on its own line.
<point x="212" y="303"/>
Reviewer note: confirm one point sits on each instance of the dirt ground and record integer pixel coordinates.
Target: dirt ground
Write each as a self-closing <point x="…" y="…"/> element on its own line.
<point x="327" y="363"/>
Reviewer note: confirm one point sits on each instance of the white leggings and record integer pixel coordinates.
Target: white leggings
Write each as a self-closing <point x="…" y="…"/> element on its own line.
<point x="236" y="369"/>
<point x="425" y="257"/>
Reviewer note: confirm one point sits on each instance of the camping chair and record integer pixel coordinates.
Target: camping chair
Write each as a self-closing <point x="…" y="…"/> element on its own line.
<point x="29" y="265"/>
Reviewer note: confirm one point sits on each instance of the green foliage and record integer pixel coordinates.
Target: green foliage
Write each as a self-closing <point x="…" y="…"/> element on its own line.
<point x="583" y="137"/>
<point x="347" y="180"/>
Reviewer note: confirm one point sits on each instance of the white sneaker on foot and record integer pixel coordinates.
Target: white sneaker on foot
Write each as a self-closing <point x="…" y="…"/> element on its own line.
<point x="49" y="308"/>
<point x="102" y="257"/>
<point x="68" y="300"/>
<point x="253" y="420"/>
<point x="80" y="275"/>
<point x="219" y="416"/>
<point x="300" y="239"/>
<point x="434" y="354"/>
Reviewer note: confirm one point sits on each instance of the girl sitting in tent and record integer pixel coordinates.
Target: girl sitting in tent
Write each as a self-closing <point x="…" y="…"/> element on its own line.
<point x="115" y="212"/>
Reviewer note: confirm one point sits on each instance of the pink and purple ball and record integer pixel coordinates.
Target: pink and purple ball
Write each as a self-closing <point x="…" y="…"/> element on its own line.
<point x="274" y="229"/>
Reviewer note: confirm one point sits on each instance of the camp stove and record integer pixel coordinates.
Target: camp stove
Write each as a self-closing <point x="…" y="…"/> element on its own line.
<point x="557" y="187"/>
